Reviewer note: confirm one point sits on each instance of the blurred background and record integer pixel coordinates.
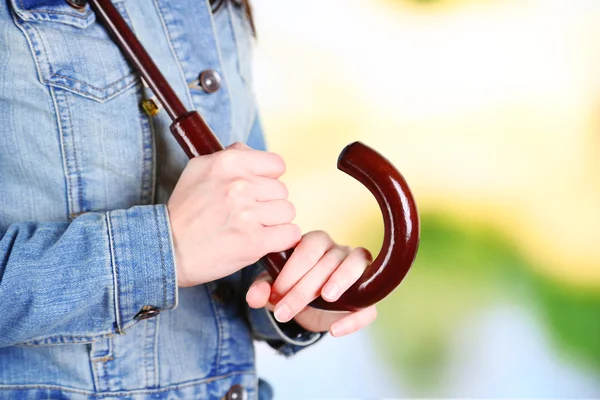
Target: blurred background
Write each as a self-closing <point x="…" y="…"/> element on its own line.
<point x="491" y="111"/>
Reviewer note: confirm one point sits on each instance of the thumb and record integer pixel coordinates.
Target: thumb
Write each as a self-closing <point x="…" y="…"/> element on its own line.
<point x="259" y="292"/>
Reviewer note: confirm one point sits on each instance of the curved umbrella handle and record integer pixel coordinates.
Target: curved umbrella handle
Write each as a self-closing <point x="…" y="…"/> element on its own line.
<point x="401" y="224"/>
<point x="401" y="221"/>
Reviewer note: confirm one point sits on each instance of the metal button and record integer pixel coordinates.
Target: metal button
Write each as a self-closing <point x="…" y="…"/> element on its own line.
<point x="224" y="292"/>
<point x="79" y="5"/>
<point x="237" y="392"/>
<point x="210" y="80"/>
<point x="146" y="312"/>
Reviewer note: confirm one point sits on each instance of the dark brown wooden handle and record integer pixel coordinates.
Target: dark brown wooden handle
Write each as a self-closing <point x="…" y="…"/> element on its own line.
<point x="401" y="220"/>
<point x="401" y="224"/>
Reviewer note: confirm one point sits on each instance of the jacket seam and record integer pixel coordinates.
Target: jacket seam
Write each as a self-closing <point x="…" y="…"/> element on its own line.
<point x="148" y="181"/>
<point x="115" y="271"/>
<point x="218" y="323"/>
<point x="59" y="340"/>
<point x="169" y="40"/>
<point x="81" y="16"/>
<point x="90" y="85"/>
<point x="63" y="154"/>
<point x="79" y="207"/>
<point x="162" y="257"/>
<point x="92" y="96"/>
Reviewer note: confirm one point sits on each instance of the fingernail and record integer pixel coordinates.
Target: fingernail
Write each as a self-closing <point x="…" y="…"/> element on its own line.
<point x="337" y="330"/>
<point x="330" y="290"/>
<point x="282" y="313"/>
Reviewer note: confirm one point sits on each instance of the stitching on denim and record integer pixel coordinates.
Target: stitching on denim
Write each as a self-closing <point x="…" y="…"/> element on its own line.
<point x="40" y="40"/>
<point x="163" y="268"/>
<point x="115" y="270"/>
<point x="54" y="11"/>
<point x="147" y="122"/>
<point x="146" y="374"/>
<point x="218" y="323"/>
<point x="148" y="179"/>
<point x="78" y="16"/>
<point x="92" y="86"/>
<point x="29" y="40"/>
<point x="172" y="252"/>
<point x="94" y="372"/>
<point x="77" y="173"/>
<point x="59" y="340"/>
<point x="149" y="356"/>
<point x="172" y="48"/>
<point x="89" y="95"/>
<point x="63" y="152"/>
<point x="130" y="392"/>
<point x="156" y="363"/>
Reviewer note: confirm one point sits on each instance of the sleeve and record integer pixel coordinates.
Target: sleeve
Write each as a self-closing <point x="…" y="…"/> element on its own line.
<point x="92" y="277"/>
<point x="287" y="338"/>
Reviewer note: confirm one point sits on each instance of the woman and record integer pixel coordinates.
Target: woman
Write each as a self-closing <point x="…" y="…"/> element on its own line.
<point x="125" y="270"/>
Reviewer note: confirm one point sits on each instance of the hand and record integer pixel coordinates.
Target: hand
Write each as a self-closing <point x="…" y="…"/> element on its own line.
<point x="317" y="267"/>
<point x="228" y="210"/>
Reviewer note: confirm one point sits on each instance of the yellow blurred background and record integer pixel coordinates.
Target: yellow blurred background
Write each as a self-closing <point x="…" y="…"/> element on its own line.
<point x="490" y="109"/>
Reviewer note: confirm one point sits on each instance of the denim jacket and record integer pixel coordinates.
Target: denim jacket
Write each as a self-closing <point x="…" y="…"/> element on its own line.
<point x="89" y="304"/>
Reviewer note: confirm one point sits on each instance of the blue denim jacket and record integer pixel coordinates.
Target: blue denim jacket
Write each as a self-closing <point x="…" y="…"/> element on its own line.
<point x="85" y="245"/>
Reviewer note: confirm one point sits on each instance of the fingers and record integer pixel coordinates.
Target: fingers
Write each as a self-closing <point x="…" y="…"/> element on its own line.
<point x="346" y="274"/>
<point x="258" y="294"/>
<point x="266" y="189"/>
<point x="276" y="238"/>
<point x="276" y="212"/>
<point x="310" y="285"/>
<point x="353" y="322"/>
<point x="305" y="256"/>
<point x="239" y="156"/>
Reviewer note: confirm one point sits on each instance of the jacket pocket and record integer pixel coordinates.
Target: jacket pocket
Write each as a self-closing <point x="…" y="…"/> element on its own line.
<point x="71" y="50"/>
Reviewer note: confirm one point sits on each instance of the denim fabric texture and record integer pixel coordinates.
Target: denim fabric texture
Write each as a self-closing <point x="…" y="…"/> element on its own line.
<point x="85" y="239"/>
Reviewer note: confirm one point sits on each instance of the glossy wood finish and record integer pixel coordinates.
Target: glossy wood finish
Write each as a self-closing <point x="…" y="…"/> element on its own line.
<point x="400" y="216"/>
<point x="401" y="224"/>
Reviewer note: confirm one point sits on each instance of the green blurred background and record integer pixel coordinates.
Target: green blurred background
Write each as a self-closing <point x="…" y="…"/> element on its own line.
<point x="490" y="109"/>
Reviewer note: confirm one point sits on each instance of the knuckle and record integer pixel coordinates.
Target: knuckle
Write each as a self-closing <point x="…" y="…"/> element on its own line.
<point x="278" y="161"/>
<point x="285" y="193"/>
<point x="345" y="251"/>
<point x="226" y="160"/>
<point x="244" y="216"/>
<point x="297" y="299"/>
<point x="318" y="236"/>
<point x="294" y="233"/>
<point x="237" y="146"/>
<point x="364" y="254"/>
<point x="237" y="188"/>
<point x="290" y="210"/>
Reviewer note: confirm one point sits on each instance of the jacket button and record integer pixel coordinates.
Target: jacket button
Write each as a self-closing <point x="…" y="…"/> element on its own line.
<point x="237" y="392"/>
<point x="146" y="312"/>
<point x="224" y="292"/>
<point x="210" y="80"/>
<point x="77" y="4"/>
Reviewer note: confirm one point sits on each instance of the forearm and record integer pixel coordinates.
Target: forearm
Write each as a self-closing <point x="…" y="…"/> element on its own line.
<point x="84" y="279"/>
